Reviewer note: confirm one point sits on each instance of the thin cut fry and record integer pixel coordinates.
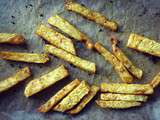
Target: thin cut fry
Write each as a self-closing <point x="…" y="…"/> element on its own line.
<point x="127" y="88"/>
<point x="91" y="15"/>
<point x="122" y="97"/>
<point x="45" y="81"/>
<point x="21" y="75"/>
<point x="156" y="81"/>
<point x="85" y="100"/>
<point x="24" y="57"/>
<point x="126" y="62"/>
<point x="70" y="29"/>
<point x="117" y="104"/>
<point x="58" y="96"/>
<point x="11" y="38"/>
<point x="118" y="66"/>
<point x="144" y="44"/>
<point x="73" y="97"/>
<point x="55" y="38"/>
<point x="77" y="61"/>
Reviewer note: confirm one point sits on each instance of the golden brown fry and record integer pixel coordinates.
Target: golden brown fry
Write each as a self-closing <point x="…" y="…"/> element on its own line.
<point x="73" y="97"/>
<point x="85" y="100"/>
<point x="21" y="75"/>
<point x="11" y="38"/>
<point x="24" y="57"/>
<point x="58" y="96"/>
<point x="122" y="97"/>
<point x="127" y="88"/>
<point x="144" y="44"/>
<point x="70" y="29"/>
<point x="45" y="81"/>
<point x="91" y="15"/>
<point x="156" y="81"/>
<point x="118" y="66"/>
<point x="117" y="104"/>
<point x="55" y="38"/>
<point x="126" y="62"/>
<point x="77" y="61"/>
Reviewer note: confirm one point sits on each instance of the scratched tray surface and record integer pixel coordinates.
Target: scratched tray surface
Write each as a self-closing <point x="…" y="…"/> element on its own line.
<point x="22" y="16"/>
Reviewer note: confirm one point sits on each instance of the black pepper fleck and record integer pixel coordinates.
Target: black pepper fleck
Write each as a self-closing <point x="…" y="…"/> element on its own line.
<point x="12" y="22"/>
<point x="41" y="15"/>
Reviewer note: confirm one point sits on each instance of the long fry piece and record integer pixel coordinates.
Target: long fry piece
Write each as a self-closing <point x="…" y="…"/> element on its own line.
<point x="144" y="44"/>
<point x="55" y="38"/>
<point x="45" y="81"/>
<point x="70" y="29"/>
<point x="77" y="61"/>
<point x="11" y="38"/>
<point x="118" y="66"/>
<point x="127" y="88"/>
<point x="156" y="81"/>
<point x="117" y="104"/>
<point x="21" y="75"/>
<point x="85" y="100"/>
<point x="73" y="97"/>
<point x="90" y="14"/>
<point x="58" y="96"/>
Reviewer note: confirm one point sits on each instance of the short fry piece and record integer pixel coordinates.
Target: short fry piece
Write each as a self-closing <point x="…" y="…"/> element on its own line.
<point x="21" y="75"/>
<point x="58" y="96"/>
<point x="24" y="57"/>
<point x="118" y="66"/>
<point x="143" y="44"/>
<point x="77" y="61"/>
<point x="69" y="29"/>
<point x="122" y="97"/>
<point x="85" y="100"/>
<point x="117" y="104"/>
<point x="73" y="97"/>
<point x="45" y="81"/>
<point x="156" y="81"/>
<point x="91" y="15"/>
<point x="11" y="38"/>
<point x="55" y="38"/>
<point x="127" y="88"/>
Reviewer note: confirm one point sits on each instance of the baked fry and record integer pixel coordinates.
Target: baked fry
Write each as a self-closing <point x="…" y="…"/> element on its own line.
<point x="21" y="75"/>
<point x="77" y="61"/>
<point x="117" y="104"/>
<point x="85" y="100"/>
<point x="122" y="97"/>
<point x="143" y="44"/>
<point x="126" y="62"/>
<point x="55" y="38"/>
<point x="58" y="96"/>
<point x="24" y="57"/>
<point x="156" y="81"/>
<point x="127" y="88"/>
<point x="118" y="66"/>
<point x="70" y="29"/>
<point x="45" y="81"/>
<point x="91" y="15"/>
<point x="73" y="97"/>
<point x="11" y="38"/>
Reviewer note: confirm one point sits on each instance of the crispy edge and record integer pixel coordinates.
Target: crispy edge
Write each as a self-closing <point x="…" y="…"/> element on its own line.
<point x="156" y="81"/>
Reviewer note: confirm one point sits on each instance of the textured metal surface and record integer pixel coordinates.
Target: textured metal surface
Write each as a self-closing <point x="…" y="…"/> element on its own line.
<point x="22" y="16"/>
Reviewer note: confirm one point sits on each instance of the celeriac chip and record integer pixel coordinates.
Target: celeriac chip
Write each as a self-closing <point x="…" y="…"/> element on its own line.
<point x="156" y="81"/>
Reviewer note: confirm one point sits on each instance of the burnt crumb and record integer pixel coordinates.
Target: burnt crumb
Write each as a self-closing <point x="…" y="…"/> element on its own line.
<point x="13" y="22"/>
<point x="12" y="65"/>
<point x="13" y="16"/>
<point x="154" y="59"/>
<point x="30" y="5"/>
<point x="26" y="6"/>
<point x="111" y="1"/>
<point x="100" y="30"/>
<point x="82" y="4"/>
<point x="41" y="15"/>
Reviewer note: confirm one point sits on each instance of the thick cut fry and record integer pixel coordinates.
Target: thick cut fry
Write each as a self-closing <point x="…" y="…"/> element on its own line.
<point x="55" y="38"/>
<point x="122" y="97"/>
<point x="11" y="38"/>
<point x="77" y="61"/>
<point x="15" y="79"/>
<point x="45" y="81"/>
<point x="70" y="29"/>
<point x="58" y="96"/>
<point x="117" y="104"/>
<point x="73" y="97"/>
<point x="126" y="62"/>
<point x="85" y="100"/>
<point x="90" y="14"/>
<point x="127" y="88"/>
<point x="118" y="66"/>
<point x="24" y="57"/>
<point x="156" y="81"/>
<point x="144" y="44"/>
